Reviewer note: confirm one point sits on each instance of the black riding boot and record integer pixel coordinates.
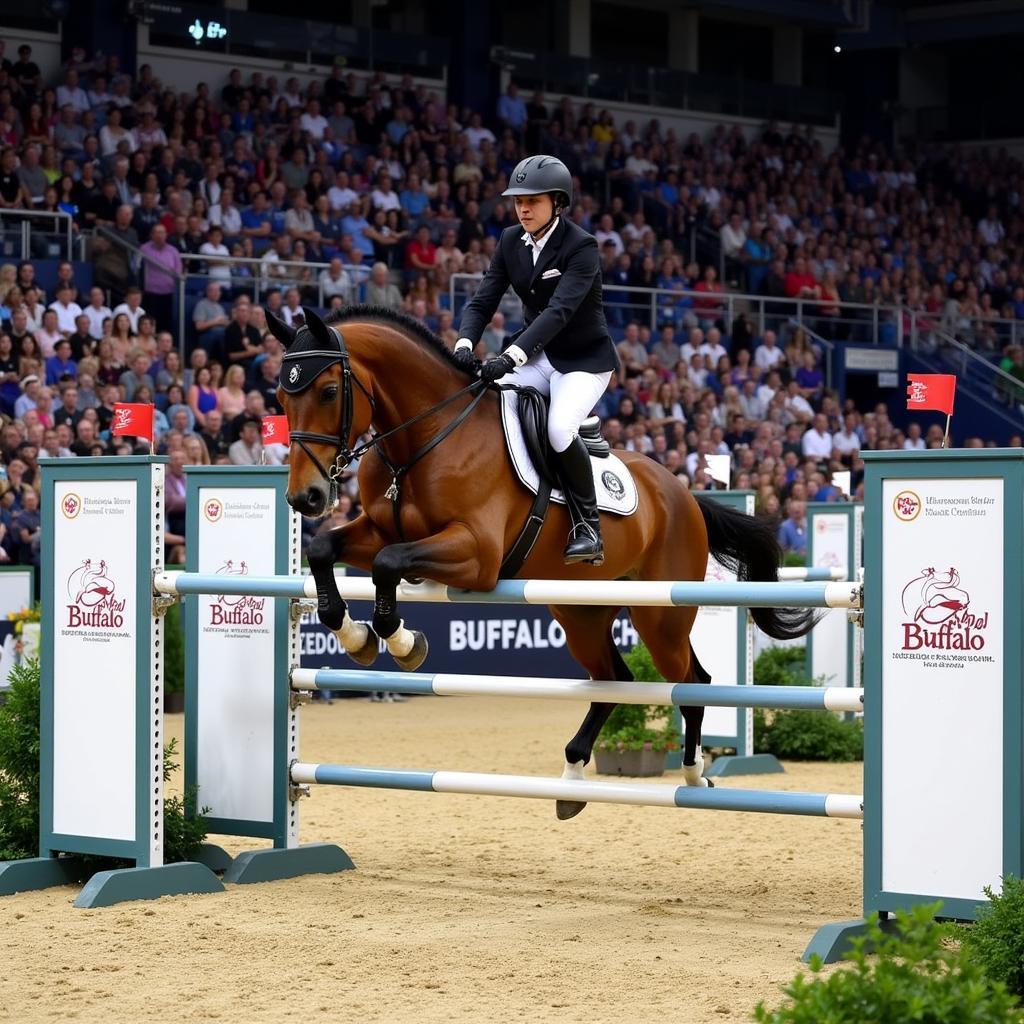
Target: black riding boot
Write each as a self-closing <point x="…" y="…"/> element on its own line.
<point x="578" y="484"/>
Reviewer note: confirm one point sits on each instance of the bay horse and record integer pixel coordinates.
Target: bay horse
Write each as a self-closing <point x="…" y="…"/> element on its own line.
<point x="441" y="502"/>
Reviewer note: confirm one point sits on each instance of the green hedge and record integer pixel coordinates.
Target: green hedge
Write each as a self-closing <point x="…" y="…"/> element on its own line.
<point x="801" y="735"/>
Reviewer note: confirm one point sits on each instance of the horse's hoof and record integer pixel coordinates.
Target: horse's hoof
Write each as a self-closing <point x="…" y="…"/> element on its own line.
<point x="412" y="661"/>
<point x="367" y="654"/>
<point x="566" y="809"/>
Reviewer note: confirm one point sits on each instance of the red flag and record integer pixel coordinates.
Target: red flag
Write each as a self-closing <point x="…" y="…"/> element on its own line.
<point x="931" y="391"/>
<point x="275" y="430"/>
<point x="133" y="419"/>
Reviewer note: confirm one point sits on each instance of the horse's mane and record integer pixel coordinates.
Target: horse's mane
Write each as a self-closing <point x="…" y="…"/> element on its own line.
<point x="407" y="324"/>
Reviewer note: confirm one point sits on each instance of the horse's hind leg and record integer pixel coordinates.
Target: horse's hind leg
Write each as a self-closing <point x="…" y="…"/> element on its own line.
<point x="666" y="632"/>
<point x="589" y="639"/>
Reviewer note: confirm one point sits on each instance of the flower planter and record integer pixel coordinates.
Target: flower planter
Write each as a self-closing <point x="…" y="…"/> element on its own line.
<point x="635" y="763"/>
<point x="30" y="639"/>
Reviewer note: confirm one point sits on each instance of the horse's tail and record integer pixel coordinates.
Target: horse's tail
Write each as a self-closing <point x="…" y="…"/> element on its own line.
<point x="747" y="545"/>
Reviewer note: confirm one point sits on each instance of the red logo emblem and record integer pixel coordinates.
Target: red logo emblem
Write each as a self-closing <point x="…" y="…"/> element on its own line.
<point x="92" y="598"/>
<point x="937" y="599"/>
<point x="907" y="506"/>
<point x="71" y="505"/>
<point x="213" y="509"/>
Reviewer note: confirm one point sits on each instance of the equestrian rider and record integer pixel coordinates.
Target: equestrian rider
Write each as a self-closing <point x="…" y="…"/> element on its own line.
<point x="564" y="350"/>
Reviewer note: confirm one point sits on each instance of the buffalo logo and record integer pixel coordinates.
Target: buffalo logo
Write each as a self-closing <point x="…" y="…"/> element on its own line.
<point x="293" y="374"/>
<point x="213" y="509"/>
<point x="937" y="614"/>
<point x="521" y="177"/>
<point x="613" y="485"/>
<point x="92" y="600"/>
<point x="122" y="419"/>
<point x="71" y="505"/>
<point x="934" y="597"/>
<point x="235" y="609"/>
<point x="907" y="506"/>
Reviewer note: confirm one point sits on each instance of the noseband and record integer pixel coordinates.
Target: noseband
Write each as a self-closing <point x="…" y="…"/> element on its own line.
<point x="343" y="454"/>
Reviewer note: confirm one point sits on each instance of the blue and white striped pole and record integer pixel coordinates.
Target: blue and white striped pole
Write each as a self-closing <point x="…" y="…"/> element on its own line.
<point x="620" y="593"/>
<point x="821" y="805"/>
<point x="447" y="684"/>
<point x="810" y="573"/>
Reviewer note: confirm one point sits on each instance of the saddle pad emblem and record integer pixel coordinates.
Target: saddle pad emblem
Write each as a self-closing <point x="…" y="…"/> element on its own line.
<point x="613" y="485"/>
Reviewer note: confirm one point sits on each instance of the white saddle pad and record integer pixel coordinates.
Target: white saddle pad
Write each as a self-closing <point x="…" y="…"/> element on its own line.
<point x="613" y="483"/>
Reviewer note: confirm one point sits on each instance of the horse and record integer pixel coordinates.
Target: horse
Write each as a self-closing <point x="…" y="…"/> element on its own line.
<point x="441" y="502"/>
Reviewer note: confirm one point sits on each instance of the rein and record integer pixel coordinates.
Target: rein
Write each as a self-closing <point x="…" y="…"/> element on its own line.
<point x="344" y="455"/>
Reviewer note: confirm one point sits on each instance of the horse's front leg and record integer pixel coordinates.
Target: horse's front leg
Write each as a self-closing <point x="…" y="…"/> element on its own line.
<point x="451" y="557"/>
<point x="358" y="542"/>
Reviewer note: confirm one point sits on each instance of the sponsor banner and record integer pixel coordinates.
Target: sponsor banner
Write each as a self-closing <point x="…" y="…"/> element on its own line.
<point x="94" y="604"/>
<point x="488" y="639"/>
<point x="942" y="677"/>
<point x="237" y="527"/>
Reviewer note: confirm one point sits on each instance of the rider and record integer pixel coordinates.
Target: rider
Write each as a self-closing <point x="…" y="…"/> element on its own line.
<point x="564" y="349"/>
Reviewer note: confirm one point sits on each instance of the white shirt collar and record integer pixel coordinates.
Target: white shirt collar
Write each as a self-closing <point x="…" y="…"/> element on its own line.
<point x="529" y="241"/>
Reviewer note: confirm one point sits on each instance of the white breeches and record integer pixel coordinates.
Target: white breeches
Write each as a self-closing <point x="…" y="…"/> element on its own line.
<point x="573" y="395"/>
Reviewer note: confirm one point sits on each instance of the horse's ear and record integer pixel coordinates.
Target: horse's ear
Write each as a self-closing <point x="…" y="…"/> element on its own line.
<point x="318" y="328"/>
<point x="279" y="329"/>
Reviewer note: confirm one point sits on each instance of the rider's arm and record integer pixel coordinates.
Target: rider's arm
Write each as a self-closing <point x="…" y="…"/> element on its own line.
<point x="574" y="286"/>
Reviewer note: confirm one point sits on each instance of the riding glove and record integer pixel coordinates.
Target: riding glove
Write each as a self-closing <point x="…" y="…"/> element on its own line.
<point x="465" y="360"/>
<point x="495" y="368"/>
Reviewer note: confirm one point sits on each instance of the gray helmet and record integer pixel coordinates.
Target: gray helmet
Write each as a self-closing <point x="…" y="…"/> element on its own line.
<point x="539" y="174"/>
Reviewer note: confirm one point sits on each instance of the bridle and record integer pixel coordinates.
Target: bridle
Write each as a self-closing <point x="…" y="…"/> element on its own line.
<point x="344" y="454"/>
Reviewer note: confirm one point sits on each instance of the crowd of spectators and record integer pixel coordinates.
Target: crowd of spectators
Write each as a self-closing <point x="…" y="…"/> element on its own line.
<point x="365" y="188"/>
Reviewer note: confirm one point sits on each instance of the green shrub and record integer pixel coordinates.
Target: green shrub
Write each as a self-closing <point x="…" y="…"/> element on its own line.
<point x="996" y="939"/>
<point x="19" y="779"/>
<point x="634" y="726"/>
<point x="808" y="736"/>
<point x="782" y="666"/>
<point x="916" y="976"/>
<point x="19" y="764"/>
<point x="184" y="830"/>
<point x="800" y="735"/>
<point x="174" y="649"/>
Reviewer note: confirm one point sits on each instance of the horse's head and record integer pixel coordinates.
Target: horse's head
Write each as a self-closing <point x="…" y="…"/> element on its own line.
<point x="316" y="393"/>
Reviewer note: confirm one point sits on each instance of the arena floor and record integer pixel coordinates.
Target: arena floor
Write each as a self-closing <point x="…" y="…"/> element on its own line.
<point x="462" y="908"/>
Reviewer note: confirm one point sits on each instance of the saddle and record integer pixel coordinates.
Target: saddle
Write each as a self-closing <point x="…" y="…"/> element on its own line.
<point x="532" y="408"/>
<point x="525" y="417"/>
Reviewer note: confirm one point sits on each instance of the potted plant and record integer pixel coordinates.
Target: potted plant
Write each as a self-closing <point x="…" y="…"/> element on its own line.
<point x="636" y="737"/>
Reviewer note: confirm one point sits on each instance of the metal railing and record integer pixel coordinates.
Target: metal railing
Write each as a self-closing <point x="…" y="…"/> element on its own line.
<point x="18" y="228"/>
<point x="136" y="258"/>
<point x="282" y="274"/>
<point x="657" y="307"/>
<point x="927" y="337"/>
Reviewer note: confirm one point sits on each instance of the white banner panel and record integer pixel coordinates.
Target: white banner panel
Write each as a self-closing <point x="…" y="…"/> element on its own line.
<point x="235" y="750"/>
<point x="94" y="604"/>
<point x="942" y="686"/>
<point x="830" y="640"/>
<point x="714" y="642"/>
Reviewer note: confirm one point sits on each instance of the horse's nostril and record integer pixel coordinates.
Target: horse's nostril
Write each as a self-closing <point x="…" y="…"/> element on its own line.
<point x="314" y="499"/>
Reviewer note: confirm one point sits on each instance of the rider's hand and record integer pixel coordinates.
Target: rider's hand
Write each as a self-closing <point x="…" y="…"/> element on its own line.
<point x="495" y="368"/>
<point x="465" y="360"/>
